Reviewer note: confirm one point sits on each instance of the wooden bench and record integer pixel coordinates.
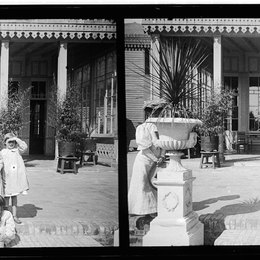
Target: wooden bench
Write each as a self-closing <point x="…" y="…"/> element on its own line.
<point x="92" y="157"/>
<point x="68" y="161"/>
<point x="207" y="155"/>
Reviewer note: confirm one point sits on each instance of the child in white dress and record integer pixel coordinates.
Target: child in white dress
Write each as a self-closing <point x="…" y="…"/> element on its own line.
<point x="14" y="171"/>
<point x="7" y="225"/>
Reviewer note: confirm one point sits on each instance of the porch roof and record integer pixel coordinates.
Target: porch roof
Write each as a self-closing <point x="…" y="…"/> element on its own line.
<point x="96" y="29"/>
<point x="198" y="26"/>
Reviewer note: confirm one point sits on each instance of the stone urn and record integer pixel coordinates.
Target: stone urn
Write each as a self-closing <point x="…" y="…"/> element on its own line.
<point x="175" y="135"/>
<point x="176" y="224"/>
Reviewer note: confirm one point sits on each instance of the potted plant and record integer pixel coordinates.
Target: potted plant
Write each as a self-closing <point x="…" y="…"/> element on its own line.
<point x="68" y="124"/>
<point x="213" y="115"/>
<point x="180" y="57"/>
<point x="11" y="116"/>
<point x="87" y="145"/>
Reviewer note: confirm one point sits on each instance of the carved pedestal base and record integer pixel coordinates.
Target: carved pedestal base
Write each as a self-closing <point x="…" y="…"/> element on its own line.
<point x="181" y="232"/>
<point x="176" y="223"/>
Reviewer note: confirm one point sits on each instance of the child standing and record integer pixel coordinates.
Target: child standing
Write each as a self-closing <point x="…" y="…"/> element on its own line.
<point x="14" y="172"/>
<point x="7" y="225"/>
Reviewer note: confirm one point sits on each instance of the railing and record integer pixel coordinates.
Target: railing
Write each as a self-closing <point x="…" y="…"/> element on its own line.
<point x="107" y="151"/>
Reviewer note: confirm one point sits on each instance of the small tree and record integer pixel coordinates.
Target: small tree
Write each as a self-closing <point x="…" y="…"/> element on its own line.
<point x="215" y="112"/>
<point x="213" y="117"/>
<point x="11" y="117"/>
<point x="68" y="116"/>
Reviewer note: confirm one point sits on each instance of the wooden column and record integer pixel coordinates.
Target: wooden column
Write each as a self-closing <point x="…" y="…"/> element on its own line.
<point x="61" y="79"/>
<point x="217" y="64"/>
<point x="155" y="56"/>
<point x="62" y="71"/>
<point x="4" y="65"/>
<point x="217" y="81"/>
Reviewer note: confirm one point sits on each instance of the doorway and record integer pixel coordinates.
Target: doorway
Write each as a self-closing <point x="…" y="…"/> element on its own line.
<point x="37" y="126"/>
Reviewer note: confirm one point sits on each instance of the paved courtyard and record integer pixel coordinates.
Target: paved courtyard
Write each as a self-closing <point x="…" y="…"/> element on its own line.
<point x="224" y="189"/>
<point x="82" y="210"/>
<point x="68" y="209"/>
<point x="227" y="197"/>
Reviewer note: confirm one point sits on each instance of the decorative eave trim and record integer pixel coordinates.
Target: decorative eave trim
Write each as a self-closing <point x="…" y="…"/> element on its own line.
<point x="208" y="26"/>
<point x="58" y="29"/>
<point x="137" y="41"/>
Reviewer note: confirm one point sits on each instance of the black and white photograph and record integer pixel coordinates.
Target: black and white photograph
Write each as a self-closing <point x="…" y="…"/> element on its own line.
<point x="58" y="133"/>
<point x="129" y="130"/>
<point x="192" y="107"/>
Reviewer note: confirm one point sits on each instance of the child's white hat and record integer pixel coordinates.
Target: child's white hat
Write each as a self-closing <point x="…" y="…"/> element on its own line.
<point x="8" y="136"/>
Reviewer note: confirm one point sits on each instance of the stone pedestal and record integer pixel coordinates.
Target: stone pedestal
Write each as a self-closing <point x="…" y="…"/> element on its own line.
<point x="176" y="224"/>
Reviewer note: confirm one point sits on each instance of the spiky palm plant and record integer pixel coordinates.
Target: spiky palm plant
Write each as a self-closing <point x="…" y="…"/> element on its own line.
<point x="175" y="71"/>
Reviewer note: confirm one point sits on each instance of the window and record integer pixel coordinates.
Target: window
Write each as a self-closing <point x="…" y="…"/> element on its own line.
<point x="199" y="90"/>
<point x="254" y="103"/>
<point x="105" y="86"/>
<point x="231" y="122"/>
<point x="98" y="84"/>
<point x="38" y="89"/>
<point x="147" y="61"/>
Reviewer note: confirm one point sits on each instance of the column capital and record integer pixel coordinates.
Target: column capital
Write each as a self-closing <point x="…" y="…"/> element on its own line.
<point x="217" y="39"/>
<point x="63" y="45"/>
<point x="155" y="37"/>
<point x="5" y="43"/>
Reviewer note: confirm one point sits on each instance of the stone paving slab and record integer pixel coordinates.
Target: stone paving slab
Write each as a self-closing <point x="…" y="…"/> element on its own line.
<point x="66" y="205"/>
<point x="91" y="195"/>
<point x="225" y="198"/>
<point x="42" y="240"/>
<point x="238" y="238"/>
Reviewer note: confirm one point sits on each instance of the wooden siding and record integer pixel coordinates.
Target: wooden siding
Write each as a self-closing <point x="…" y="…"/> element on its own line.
<point x="136" y="87"/>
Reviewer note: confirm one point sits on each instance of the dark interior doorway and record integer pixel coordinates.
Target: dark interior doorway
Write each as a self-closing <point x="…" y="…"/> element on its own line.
<point x="37" y="126"/>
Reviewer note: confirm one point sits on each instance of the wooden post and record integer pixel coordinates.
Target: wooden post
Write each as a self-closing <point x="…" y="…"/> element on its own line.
<point x="217" y="64"/>
<point x="61" y="79"/>
<point x="217" y="78"/>
<point x="155" y="49"/>
<point x="62" y="71"/>
<point x="4" y="65"/>
<point x="105" y="113"/>
<point x="112" y="104"/>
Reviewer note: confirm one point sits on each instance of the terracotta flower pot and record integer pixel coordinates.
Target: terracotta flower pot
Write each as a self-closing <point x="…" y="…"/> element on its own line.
<point x="209" y="143"/>
<point x="67" y="148"/>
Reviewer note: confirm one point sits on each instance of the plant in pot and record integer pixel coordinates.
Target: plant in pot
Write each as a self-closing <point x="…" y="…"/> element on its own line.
<point x="212" y="117"/>
<point x="175" y="71"/>
<point x="87" y="145"/>
<point x="175" y="80"/>
<point x="68" y="123"/>
<point x="11" y="117"/>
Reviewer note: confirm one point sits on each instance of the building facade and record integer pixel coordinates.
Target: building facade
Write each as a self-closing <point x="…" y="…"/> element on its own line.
<point x="46" y="54"/>
<point x="234" y="63"/>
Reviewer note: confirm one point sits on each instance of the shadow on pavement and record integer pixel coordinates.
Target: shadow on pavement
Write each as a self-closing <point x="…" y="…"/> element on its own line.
<point x="31" y="164"/>
<point x="27" y="211"/>
<point x="214" y="223"/>
<point x="29" y="158"/>
<point x="204" y="203"/>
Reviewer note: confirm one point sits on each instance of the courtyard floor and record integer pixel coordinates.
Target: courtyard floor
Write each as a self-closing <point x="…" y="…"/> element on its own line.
<point x="221" y="189"/>
<point x="231" y="192"/>
<point x="68" y="210"/>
